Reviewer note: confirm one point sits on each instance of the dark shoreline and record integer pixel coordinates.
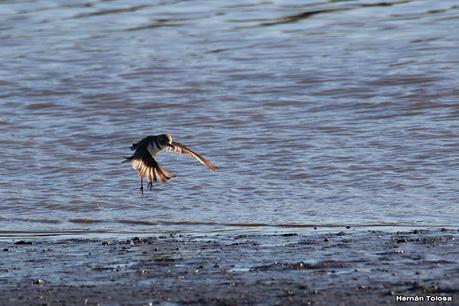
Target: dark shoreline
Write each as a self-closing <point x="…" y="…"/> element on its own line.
<point x="340" y="267"/>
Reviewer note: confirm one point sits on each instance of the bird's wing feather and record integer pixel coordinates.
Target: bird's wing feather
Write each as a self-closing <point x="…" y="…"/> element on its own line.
<point x="147" y="166"/>
<point x="182" y="149"/>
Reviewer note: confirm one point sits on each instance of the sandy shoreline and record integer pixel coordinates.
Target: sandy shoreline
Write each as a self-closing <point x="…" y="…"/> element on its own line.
<point x="349" y="268"/>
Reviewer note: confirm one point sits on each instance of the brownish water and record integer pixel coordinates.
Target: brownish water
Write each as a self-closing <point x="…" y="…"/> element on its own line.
<point x="325" y="113"/>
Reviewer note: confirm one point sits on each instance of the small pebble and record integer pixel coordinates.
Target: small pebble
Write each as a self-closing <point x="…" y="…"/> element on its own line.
<point x="38" y="281"/>
<point x="23" y="242"/>
<point x="289" y="234"/>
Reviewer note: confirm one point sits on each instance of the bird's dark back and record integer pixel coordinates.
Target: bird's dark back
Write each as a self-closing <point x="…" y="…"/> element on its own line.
<point x="141" y="151"/>
<point x="143" y="143"/>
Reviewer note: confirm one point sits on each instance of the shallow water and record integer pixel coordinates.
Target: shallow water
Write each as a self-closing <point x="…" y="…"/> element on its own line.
<point x="329" y="113"/>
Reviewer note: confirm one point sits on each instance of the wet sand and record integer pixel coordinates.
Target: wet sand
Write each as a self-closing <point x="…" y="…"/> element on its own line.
<point x="346" y="267"/>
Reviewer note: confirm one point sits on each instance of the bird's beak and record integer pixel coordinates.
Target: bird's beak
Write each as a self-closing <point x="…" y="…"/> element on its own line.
<point x="170" y="145"/>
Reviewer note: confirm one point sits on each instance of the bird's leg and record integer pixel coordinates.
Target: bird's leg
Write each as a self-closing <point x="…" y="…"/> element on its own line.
<point x="150" y="184"/>
<point x="141" y="185"/>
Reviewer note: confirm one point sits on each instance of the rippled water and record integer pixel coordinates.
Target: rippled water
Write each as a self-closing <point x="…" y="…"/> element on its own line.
<point x="325" y="113"/>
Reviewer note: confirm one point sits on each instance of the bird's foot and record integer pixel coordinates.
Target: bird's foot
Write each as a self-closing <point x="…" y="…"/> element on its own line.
<point x="150" y="184"/>
<point x="141" y="190"/>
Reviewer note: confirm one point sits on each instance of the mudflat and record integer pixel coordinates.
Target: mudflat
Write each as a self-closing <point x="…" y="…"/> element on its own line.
<point x="349" y="267"/>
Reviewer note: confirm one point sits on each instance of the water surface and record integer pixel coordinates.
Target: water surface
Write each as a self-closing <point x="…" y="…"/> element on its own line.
<point x="324" y="113"/>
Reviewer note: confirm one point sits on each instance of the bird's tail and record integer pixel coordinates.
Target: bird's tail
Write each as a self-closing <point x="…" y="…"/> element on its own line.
<point x="127" y="159"/>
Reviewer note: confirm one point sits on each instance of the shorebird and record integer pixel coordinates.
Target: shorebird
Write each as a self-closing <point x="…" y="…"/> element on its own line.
<point x="144" y="162"/>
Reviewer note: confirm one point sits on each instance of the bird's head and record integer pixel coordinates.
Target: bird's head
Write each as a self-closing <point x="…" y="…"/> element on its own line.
<point x="166" y="140"/>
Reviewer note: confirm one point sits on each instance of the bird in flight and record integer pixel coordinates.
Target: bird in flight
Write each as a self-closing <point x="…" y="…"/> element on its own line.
<point x="144" y="162"/>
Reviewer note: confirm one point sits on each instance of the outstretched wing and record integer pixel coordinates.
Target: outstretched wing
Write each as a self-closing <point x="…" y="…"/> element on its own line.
<point x="182" y="149"/>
